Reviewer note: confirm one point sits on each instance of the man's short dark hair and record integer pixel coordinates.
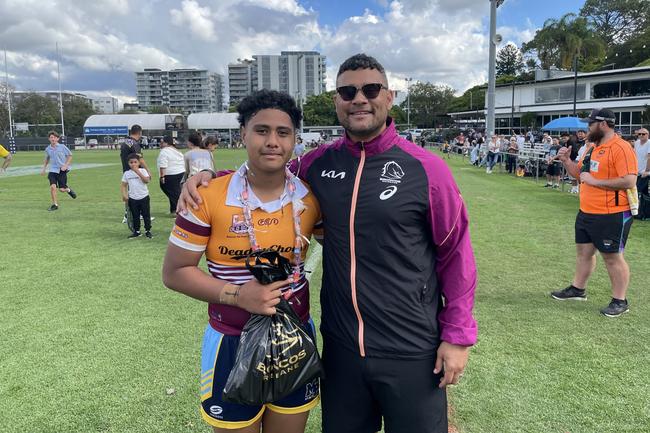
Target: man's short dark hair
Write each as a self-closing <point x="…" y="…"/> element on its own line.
<point x="135" y="129"/>
<point x="168" y="139"/>
<point x="53" y="132"/>
<point x="133" y="156"/>
<point x="264" y="99"/>
<point x="361" y="61"/>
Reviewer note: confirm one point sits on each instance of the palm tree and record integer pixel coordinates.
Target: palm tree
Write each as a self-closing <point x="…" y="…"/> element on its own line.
<point x="560" y="40"/>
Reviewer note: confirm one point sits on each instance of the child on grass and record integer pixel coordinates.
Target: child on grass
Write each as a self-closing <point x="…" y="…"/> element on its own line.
<point x="136" y="194"/>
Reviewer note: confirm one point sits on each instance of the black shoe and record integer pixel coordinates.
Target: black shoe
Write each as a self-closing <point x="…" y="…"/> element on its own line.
<point x="569" y="293"/>
<point x="72" y="194"/>
<point x="148" y="234"/>
<point x="615" y="308"/>
<point x="53" y="207"/>
<point x="134" y="235"/>
<point x="548" y="185"/>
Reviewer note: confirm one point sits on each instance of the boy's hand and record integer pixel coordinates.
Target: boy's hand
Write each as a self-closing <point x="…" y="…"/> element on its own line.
<point x="125" y="199"/>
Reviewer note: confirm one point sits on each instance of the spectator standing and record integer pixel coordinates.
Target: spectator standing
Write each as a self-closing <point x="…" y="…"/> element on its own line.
<point x="136" y="195"/>
<point x="198" y="157"/>
<point x="642" y="150"/>
<point x="603" y="223"/>
<point x="171" y="168"/>
<point x="492" y="153"/>
<point x="511" y="158"/>
<point x="553" y="167"/>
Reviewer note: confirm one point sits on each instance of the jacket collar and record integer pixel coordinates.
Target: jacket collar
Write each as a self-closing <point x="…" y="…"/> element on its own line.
<point x="379" y="144"/>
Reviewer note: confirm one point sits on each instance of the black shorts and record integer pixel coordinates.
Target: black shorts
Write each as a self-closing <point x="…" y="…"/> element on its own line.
<point x="59" y="179"/>
<point x="356" y="393"/>
<point x="607" y="232"/>
<point x="553" y="169"/>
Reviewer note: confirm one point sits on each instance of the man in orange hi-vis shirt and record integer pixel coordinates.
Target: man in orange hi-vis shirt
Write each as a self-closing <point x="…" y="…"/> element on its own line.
<point x="607" y="168"/>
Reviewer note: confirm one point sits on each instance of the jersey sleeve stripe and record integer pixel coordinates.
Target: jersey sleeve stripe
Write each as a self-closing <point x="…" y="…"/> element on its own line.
<point x="189" y="216"/>
<point x="189" y="226"/>
<point x="186" y="245"/>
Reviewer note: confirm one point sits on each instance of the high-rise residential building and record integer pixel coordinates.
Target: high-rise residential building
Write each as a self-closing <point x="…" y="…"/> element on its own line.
<point x="240" y="80"/>
<point x="184" y="90"/>
<point x="105" y="104"/>
<point x="298" y="73"/>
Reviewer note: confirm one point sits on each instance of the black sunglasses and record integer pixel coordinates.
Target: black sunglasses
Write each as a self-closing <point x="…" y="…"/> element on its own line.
<point x="370" y="91"/>
<point x="642" y="133"/>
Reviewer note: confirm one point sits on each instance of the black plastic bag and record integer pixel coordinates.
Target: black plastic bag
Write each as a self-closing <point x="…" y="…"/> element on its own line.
<point x="275" y="357"/>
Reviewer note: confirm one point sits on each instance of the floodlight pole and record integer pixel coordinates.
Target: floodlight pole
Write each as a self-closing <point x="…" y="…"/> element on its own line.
<point x="575" y="82"/>
<point x="11" y="125"/>
<point x="58" y="73"/>
<point x="489" y="120"/>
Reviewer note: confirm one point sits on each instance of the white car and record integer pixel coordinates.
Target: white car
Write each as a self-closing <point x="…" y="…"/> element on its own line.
<point x="92" y="142"/>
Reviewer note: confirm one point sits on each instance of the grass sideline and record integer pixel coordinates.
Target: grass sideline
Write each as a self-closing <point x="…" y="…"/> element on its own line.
<point x="91" y="341"/>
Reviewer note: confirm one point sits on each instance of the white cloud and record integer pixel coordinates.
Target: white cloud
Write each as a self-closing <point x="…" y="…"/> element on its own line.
<point x="102" y="43"/>
<point x="195" y="19"/>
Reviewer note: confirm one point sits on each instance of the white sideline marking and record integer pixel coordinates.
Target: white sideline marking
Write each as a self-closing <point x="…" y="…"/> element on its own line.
<point x="27" y="170"/>
<point x="314" y="259"/>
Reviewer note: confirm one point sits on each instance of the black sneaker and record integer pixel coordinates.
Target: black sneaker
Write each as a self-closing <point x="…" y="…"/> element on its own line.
<point x="569" y="293"/>
<point x="615" y="308"/>
<point x="134" y="235"/>
<point x="72" y="194"/>
<point x="148" y="234"/>
<point x="548" y="185"/>
<point x="53" y="207"/>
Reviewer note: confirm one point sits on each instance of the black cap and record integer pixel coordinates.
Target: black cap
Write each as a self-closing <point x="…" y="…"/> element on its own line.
<point x="601" y="114"/>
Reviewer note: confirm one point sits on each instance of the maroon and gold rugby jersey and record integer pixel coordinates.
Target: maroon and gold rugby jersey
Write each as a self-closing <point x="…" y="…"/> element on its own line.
<point x="219" y="229"/>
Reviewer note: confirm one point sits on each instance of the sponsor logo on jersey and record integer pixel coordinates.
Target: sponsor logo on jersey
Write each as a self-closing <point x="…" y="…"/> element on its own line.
<point x="311" y="390"/>
<point x="180" y="233"/>
<point x="268" y="222"/>
<point x="216" y="410"/>
<point x="391" y="173"/>
<point x="332" y="174"/>
<point x="224" y="250"/>
<point x="238" y="225"/>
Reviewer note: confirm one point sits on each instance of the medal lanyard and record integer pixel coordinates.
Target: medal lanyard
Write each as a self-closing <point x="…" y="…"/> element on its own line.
<point x="296" y="207"/>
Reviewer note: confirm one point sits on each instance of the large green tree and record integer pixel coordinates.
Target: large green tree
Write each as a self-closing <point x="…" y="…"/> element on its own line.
<point x="559" y="40"/>
<point x="159" y="109"/>
<point x="617" y="21"/>
<point x="319" y="110"/>
<point x="37" y="110"/>
<point x="398" y="114"/>
<point x="472" y="99"/>
<point x="75" y="114"/>
<point x="428" y="103"/>
<point x="509" y="61"/>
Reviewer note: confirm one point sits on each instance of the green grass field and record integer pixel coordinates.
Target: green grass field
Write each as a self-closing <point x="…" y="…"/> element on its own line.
<point x="91" y="341"/>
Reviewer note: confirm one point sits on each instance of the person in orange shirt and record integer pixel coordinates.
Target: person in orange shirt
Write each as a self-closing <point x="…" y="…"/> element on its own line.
<point x="607" y="168"/>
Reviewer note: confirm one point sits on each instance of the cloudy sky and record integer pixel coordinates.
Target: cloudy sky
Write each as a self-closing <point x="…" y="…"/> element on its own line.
<point x="102" y="42"/>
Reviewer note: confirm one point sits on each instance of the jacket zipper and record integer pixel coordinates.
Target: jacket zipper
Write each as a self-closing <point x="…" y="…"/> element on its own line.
<point x="353" y="259"/>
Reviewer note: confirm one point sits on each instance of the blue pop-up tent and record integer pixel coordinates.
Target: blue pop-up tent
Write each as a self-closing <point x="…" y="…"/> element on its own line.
<point x="565" y="124"/>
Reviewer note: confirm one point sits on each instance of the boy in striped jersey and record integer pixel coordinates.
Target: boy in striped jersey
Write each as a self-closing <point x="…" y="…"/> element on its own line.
<point x="260" y="206"/>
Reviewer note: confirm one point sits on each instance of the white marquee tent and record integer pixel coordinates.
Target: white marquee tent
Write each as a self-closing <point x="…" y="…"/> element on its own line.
<point x="213" y="121"/>
<point x="148" y="122"/>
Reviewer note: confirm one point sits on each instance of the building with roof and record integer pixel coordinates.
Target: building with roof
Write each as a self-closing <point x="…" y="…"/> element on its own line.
<point x="182" y="90"/>
<point x="298" y="73"/>
<point x="551" y="95"/>
<point x="67" y="96"/>
<point x="105" y="104"/>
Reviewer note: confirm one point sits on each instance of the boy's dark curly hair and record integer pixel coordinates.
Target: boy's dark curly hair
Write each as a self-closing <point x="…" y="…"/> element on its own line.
<point x="361" y="61"/>
<point x="263" y="99"/>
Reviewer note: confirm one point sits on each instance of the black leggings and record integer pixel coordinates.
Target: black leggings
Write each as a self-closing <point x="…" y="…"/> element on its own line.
<point x="172" y="189"/>
<point x="137" y="208"/>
